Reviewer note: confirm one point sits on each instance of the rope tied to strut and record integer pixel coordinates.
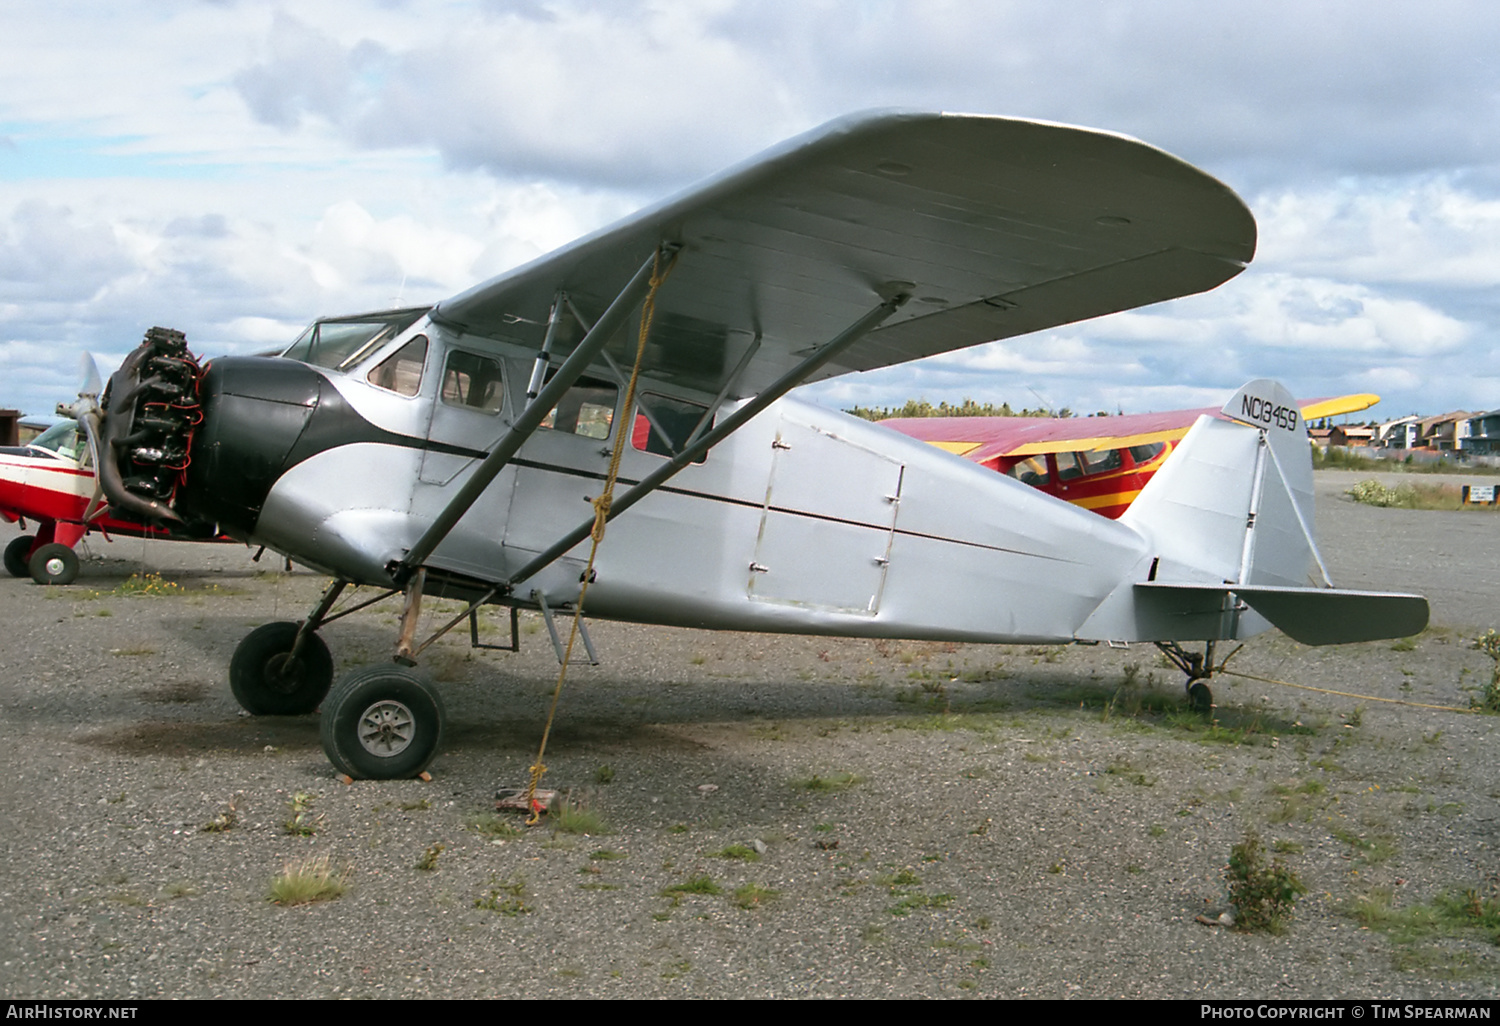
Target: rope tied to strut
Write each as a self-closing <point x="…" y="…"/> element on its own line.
<point x="601" y="504"/>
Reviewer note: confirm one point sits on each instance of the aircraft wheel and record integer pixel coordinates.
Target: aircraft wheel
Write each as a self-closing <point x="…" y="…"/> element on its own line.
<point x="267" y="683"/>
<point x="382" y="723"/>
<point x="1200" y="698"/>
<point x="53" y="564"/>
<point x="15" y="556"/>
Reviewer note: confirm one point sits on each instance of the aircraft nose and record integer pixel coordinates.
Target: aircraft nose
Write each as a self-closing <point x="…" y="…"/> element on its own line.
<point x="254" y="411"/>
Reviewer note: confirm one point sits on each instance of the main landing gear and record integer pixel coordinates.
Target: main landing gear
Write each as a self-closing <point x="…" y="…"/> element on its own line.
<point x="1199" y="667"/>
<point x="381" y="722"/>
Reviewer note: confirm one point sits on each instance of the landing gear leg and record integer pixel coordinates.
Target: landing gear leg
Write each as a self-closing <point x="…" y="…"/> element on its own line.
<point x="1198" y="667"/>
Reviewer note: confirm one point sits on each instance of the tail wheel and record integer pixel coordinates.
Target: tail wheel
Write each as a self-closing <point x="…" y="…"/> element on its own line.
<point x="1200" y="698"/>
<point x="267" y="681"/>
<point x="18" y="556"/>
<point x="52" y="564"/>
<point x="382" y="723"/>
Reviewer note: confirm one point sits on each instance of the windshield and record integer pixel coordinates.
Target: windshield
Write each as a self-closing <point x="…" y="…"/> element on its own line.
<point x="338" y="343"/>
<point x="61" y="438"/>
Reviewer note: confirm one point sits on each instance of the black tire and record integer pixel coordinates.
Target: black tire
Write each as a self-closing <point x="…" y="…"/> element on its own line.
<point x="1200" y="698"/>
<point x="53" y="564"/>
<point x="265" y="683"/>
<point x="16" y="560"/>
<point x="382" y="723"/>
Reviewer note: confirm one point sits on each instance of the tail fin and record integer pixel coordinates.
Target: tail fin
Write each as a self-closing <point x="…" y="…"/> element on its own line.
<point x="1229" y="524"/>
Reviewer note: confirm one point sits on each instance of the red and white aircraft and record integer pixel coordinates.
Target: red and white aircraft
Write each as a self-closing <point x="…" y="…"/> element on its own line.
<point x="50" y="481"/>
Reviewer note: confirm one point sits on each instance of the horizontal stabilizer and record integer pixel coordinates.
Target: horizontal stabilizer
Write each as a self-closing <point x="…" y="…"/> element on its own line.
<point x="1313" y="616"/>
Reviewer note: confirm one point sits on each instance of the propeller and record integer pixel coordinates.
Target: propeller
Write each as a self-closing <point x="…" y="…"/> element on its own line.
<point x="87" y="412"/>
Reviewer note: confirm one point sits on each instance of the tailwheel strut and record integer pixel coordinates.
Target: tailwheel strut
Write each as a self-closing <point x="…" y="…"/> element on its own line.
<point x="1200" y="668"/>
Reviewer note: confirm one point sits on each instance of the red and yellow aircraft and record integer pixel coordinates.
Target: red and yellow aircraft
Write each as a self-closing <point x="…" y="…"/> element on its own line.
<point x="1099" y="463"/>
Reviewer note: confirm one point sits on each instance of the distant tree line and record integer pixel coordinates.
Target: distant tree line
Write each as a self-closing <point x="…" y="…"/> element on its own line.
<point x="967" y="408"/>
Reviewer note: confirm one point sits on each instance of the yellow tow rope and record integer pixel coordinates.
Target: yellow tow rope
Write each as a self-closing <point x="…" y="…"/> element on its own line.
<point x="601" y="517"/>
<point x="1348" y="694"/>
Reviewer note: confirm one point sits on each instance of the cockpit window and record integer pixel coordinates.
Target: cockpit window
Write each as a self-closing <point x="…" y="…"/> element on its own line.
<point x="401" y="372"/>
<point x="474" y="381"/>
<point x="62" y="438"/>
<point x="338" y="343"/>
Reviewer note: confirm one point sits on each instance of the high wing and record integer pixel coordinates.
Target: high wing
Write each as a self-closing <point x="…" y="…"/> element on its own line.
<point x="993" y="227"/>
<point x="984" y="439"/>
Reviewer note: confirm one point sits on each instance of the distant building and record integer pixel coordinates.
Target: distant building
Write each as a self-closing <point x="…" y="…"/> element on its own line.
<point x="1346" y="435"/>
<point x="1483" y="434"/>
<point x="1399" y="434"/>
<point x="1444" y="433"/>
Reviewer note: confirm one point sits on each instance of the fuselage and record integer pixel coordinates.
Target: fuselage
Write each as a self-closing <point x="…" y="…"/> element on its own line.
<point x="805" y="520"/>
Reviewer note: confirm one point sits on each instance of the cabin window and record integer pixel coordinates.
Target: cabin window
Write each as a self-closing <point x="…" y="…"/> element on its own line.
<point x="1032" y="471"/>
<point x="473" y="381"/>
<point x="587" y="409"/>
<point x="401" y="372"/>
<point x="674" y="420"/>
<point x="1067" y="466"/>
<point x="1146" y="453"/>
<point x="1100" y="461"/>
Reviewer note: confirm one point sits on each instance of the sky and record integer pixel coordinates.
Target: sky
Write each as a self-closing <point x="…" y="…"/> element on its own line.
<point x="235" y="169"/>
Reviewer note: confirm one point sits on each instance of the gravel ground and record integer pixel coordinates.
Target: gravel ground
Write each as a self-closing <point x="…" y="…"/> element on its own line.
<point x="936" y="820"/>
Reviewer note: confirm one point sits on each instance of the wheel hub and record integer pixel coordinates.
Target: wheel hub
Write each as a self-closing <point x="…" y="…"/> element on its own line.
<point x="54" y="567"/>
<point x="386" y="728"/>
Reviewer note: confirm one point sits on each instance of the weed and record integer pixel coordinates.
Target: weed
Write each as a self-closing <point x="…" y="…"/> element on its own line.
<point x="743" y="852"/>
<point x="576" y="818"/>
<point x="491" y="825"/>
<point x="697" y="885"/>
<point x="606" y="855"/>
<point x="421" y="806"/>
<point x="505" y="898"/>
<point x="428" y="861"/>
<point x="1405" y="644"/>
<point x="1263" y="896"/>
<point x="1489" y="644"/>
<point x="148" y="584"/>
<point x="1156" y="830"/>
<point x="225" y="820"/>
<point x="752" y="895"/>
<point x="302" y="823"/>
<point x="181" y="889"/>
<point x="1371" y="850"/>
<point x="604" y="774"/>
<point x="312" y="879"/>
<point x="832" y="782"/>
<point x="910" y="902"/>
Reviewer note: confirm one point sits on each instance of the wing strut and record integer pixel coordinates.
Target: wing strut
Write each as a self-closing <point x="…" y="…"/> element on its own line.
<point x="732" y="423"/>
<point x="529" y="420"/>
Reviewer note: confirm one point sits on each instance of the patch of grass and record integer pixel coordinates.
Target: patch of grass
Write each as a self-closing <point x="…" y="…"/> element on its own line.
<point x="696" y="885"/>
<point x="832" y="782"/>
<point x="1263" y="896"/>
<point x="911" y="902"/>
<point x="181" y="889"/>
<point x="148" y="584"/>
<point x="752" y="895"/>
<point x="505" y="898"/>
<point x="743" y="852"/>
<point x="421" y="806"/>
<point x="312" y="879"/>
<point x="606" y="855"/>
<point x="1371" y="851"/>
<point x="493" y="825"/>
<point x="428" y="862"/>
<point x="576" y="818"/>
<point x="604" y="774"/>
<point x="1407" y="495"/>
<point x="1123" y="769"/>
<point x="1454" y="913"/>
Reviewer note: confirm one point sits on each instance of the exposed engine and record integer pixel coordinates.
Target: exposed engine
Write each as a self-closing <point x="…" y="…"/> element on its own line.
<point x="145" y="434"/>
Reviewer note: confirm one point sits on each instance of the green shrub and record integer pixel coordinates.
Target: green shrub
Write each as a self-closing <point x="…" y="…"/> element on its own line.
<point x="1263" y="896"/>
